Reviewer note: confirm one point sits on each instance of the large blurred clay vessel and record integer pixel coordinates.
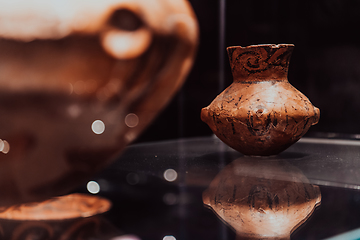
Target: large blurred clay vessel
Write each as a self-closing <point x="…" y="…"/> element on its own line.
<point x="79" y="80"/>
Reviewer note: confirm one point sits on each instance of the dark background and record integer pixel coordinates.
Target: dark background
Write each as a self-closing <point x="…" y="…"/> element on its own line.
<point x="325" y="64"/>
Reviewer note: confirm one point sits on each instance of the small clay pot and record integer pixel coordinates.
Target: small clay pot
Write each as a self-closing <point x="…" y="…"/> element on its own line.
<point x="260" y="113"/>
<point x="262" y="199"/>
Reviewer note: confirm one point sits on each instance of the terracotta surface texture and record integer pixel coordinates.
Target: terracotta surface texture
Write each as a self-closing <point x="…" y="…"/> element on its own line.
<point x="262" y="199"/>
<point x="260" y="113"/>
<point x="80" y="80"/>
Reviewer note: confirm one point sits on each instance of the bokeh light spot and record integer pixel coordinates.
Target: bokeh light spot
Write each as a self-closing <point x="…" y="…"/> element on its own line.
<point x="170" y="175"/>
<point x="170" y="199"/>
<point x="169" y="238"/>
<point x="126" y="237"/>
<point x="6" y="148"/>
<point x="98" y="127"/>
<point x="74" y="110"/>
<point x="93" y="187"/>
<point x="131" y="120"/>
<point x="132" y="178"/>
<point x="2" y="145"/>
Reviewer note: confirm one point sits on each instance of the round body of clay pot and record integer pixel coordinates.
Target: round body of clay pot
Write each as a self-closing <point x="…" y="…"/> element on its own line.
<point x="260" y="113"/>
<point x="81" y="83"/>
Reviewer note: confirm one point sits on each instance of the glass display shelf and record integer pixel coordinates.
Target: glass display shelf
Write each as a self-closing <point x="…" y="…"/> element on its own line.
<point x="157" y="188"/>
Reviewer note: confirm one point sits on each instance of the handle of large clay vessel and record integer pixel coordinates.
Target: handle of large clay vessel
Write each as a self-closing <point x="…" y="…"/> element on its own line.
<point x="128" y="36"/>
<point x="317" y="115"/>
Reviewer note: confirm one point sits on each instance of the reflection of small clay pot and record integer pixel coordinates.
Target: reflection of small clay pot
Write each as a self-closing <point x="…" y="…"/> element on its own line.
<point x="79" y="81"/>
<point x="262" y="199"/>
<point x="260" y="113"/>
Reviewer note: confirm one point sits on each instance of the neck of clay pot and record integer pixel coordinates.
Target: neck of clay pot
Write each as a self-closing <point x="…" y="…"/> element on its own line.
<point x="260" y="62"/>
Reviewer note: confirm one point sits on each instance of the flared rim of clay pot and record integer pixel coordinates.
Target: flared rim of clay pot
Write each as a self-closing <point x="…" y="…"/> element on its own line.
<point x="264" y="45"/>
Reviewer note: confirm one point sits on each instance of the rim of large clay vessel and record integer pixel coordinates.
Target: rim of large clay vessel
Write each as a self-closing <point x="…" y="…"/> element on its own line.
<point x="265" y="45"/>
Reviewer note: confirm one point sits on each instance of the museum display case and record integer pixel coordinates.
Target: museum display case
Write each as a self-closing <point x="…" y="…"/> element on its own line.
<point x="162" y="190"/>
<point x="101" y="136"/>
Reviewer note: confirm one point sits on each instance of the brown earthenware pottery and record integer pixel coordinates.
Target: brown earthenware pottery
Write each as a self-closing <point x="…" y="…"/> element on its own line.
<point x="262" y="199"/>
<point x="80" y="80"/>
<point x="74" y="216"/>
<point x="260" y="113"/>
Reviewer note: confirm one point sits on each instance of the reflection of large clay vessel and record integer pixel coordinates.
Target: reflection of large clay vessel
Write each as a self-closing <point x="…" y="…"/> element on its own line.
<point x="262" y="199"/>
<point x="79" y="80"/>
<point x="260" y="113"/>
<point x="74" y="216"/>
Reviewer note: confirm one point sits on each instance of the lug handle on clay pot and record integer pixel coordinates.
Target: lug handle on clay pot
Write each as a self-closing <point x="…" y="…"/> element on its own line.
<point x="127" y="35"/>
<point x="317" y="115"/>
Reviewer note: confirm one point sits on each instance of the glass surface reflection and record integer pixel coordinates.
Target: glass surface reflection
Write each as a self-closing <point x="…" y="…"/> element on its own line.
<point x="262" y="198"/>
<point x="74" y="216"/>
